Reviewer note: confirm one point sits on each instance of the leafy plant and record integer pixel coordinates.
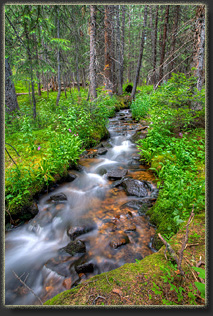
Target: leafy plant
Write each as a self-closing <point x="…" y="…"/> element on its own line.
<point x="200" y="286"/>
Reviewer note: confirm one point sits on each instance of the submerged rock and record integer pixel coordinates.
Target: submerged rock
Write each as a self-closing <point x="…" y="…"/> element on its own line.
<point x="134" y="187"/>
<point x="136" y="205"/>
<point x="58" y="197"/>
<point x="74" y="232"/>
<point x="118" y="240"/>
<point x="61" y="264"/>
<point x="102" y="151"/>
<point x="74" y="247"/>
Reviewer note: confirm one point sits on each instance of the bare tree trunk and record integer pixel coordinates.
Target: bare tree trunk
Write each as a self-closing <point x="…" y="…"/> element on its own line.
<point x="92" y="67"/>
<point x="155" y="47"/>
<point x="83" y="78"/>
<point x="112" y="50"/>
<point x="140" y="55"/>
<point x="108" y="45"/>
<point x="29" y="94"/>
<point x="120" y="90"/>
<point x="11" y="102"/>
<point x="58" y="60"/>
<point x="65" y="86"/>
<point x="200" y="45"/>
<point x="122" y="43"/>
<point x="77" y="66"/>
<point x="129" y="77"/>
<point x="164" y="43"/>
<point x="37" y="59"/>
<point x="174" y="34"/>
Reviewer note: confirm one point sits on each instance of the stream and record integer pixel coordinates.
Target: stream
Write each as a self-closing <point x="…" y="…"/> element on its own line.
<point x="92" y="224"/>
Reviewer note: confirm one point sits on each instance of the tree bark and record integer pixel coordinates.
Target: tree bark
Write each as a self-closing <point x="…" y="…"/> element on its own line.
<point x="31" y="67"/>
<point x="129" y="53"/>
<point x="122" y="44"/>
<point x="164" y="43"/>
<point x="11" y="102"/>
<point x="108" y="48"/>
<point x="200" y="45"/>
<point x="174" y="34"/>
<point x="120" y="90"/>
<point x="140" y="55"/>
<point x="92" y="67"/>
<point x="155" y="46"/>
<point x="58" y="59"/>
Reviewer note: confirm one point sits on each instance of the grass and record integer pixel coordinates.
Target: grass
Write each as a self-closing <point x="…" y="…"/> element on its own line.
<point x="43" y="149"/>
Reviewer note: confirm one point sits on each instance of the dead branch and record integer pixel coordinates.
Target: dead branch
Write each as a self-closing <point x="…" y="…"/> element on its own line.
<point x="99" y="296"/>
<point x="171" y="252"/>
<point x="10" y="156"/>
<point x="185" y="239"/>
<point x="191" y="245"/>
<point x="22" y="282"/>
<point x="11" y="219"/>
<point x="13" y="148"/>
<point x="108" y="280"/>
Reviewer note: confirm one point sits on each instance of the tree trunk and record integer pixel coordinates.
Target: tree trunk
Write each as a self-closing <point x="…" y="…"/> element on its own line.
<point x="120" y="90"/>
<point x="92" y="67"/>
<point x="58" y="60"/>
<point x="140" y="55"/>
<point x="200" y="45"/>
<point x="112" y="50"/>
<point x="155" y="46"/>
<point x="65" y="86"/>
<point x="83" y="78"/>
<point x="129" y="52"/>
<point x="108" y="49"/>
<point x="122" y="44"/>
<point x="77" y="66"/>
<point x="31" y="67"/>
<point x="174" y="34"/>
<point x="163" y="44"/>
<point x="11" y="102"/>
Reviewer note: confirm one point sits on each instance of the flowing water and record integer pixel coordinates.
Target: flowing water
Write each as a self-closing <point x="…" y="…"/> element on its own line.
<point x="98" y="212"/>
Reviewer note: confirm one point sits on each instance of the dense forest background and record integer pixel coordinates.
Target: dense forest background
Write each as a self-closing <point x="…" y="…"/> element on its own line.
<point x="54" y="47"/>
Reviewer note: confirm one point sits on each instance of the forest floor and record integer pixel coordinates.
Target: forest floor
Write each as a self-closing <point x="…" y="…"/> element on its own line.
<point x="151" y="281"/>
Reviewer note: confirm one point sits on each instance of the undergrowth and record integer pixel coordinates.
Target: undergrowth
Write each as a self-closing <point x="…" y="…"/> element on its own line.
<point x="44" y="148"/>
<point x="175" y="149"/>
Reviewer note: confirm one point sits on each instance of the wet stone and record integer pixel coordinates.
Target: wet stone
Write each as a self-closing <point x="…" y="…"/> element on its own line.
<point x="74" y="232"/>
<point x="130" y="228"/>
<point x="102" y="151"/>
<point x="58" y="197"/>
<point x="85" y="268"/>
<point x="134" y="187"/>
<point x="116" y="174"/>
<point x="61" y="263"/>
<point x="143" y="209"/>
<point x="116" y="183"/>
<point x="102" y="171"/>
<point x="136" y="205"/>
<point x="74" y="247"/>
<point x="119" y="240"/>
<point x="138" y="135"/>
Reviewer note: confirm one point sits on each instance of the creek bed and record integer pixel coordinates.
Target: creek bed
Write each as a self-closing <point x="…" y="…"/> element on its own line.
<point x="91" y="225"/>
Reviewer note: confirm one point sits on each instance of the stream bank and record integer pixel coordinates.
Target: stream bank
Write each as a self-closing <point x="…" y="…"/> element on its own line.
<point x="93" y="224"/>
